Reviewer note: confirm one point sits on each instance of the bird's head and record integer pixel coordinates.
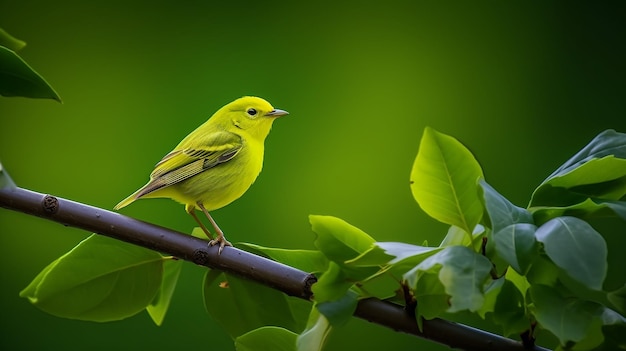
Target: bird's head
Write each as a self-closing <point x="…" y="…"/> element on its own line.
<point x="251" y="115"/>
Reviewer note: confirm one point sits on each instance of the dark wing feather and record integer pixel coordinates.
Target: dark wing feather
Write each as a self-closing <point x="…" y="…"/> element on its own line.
<point x="181" y="164"/>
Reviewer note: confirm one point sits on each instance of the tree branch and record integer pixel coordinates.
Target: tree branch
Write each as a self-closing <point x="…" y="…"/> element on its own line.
<point x="232" y="260"/>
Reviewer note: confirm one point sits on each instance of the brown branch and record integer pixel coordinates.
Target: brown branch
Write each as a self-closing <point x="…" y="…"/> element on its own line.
<point x="232" y="260"/>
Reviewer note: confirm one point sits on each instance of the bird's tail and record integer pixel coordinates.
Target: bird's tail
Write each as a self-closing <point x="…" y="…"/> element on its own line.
<point x="144" y="192"/>
<point x="127" y="201"/>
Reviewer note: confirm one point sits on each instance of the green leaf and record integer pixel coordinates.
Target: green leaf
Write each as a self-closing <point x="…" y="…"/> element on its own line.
<point x="30" y="290"/>
<point x="393" y="253"/>
<point x="543" y="271"/>
<point x="599" y="179"/>
<point x="267" y="339"/>
<point x="587" y="209"/>
<point x="618" y="299"/>
<point x="396" y="259"/>
<point x="332" y="285"/>
<point x="456" y="236"/>
<point x="462" y="272"/>
<point x="407" y="255"/>
<point x="199" y="233"/>
<point x="520" y="281"/>
<point x="5" y="179"/>
<point x="337" y="239"/>
<point x="374" y="256"/>
<point x="241" y="305"/>
<point x="101" y="279"/>
<point x="17" y="78"/>
<point x="614" y="329"/>
<point x="502" y="213"/>
<point x="443" y="181"/>
<point x="509" y="310"/>
<point x="221" y="304"/>
<point x="492" y="291"/>
<point x="382" y="285"/>
<point x="312" y="261"/>
<point x="10" y="42"/>
<point x="314" y="336"/>
<point x="161" y="303"/>
<point x="609" y="142"/>
<point x="569" y="319"/>
<point x="338" y="312"/>
<point x="430" y="294"/>
<point x="340" y="242"/>
<point x="516" y="244"/>
<point x="574" y="246"/>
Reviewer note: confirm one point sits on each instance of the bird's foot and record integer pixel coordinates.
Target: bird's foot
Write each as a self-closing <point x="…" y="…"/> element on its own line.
<point x="221" y="240"/>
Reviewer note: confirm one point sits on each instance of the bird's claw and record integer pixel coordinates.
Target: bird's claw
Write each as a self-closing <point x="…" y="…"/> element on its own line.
<point x="221" y="240"/>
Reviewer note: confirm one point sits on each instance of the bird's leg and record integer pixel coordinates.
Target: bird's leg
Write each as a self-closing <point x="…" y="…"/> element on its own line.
<point x="192" y="212"/>
<point x="220" y="234"/>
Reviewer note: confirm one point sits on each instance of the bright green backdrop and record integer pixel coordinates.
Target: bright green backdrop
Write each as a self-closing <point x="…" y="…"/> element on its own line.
<point x="524" y="86"/>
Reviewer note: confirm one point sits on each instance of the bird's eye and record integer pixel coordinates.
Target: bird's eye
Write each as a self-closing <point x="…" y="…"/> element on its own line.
<point x="251" y="112"/>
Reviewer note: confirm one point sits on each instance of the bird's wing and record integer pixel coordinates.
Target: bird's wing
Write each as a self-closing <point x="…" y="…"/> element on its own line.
<point x="186" y="162"/>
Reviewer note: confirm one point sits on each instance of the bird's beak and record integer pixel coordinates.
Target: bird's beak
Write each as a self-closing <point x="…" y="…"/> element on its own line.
<point x="276" y="113"/>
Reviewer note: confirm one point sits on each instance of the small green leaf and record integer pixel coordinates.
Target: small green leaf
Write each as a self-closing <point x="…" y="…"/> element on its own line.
<point x="443" y="181"/>
<point x="462" y="272"/>
<point x="161" y="303"/>
<point x="337" y="239"/>
<point x="430" y="294"/>
<point x="374" y="256"/>
<point x="516" y="244"/>
<point x="543" y="271"/>
<point x="267" y="339"/>
<point x="31" y="290"/>
<point x="407" y="255"/>
<point x="382" y="285"/>
<point x="10" y="42"/>
<point x="314" y="336"/>
<point x="618" y="299"/>
<point x="197" y="232"/>
<point x="338" y="312"/>
<point x="393" y="253"/>
<point x="574" y="246"/>
<point x="396" y="259"/>
<point x="241" y="305"/>
<point x="312" y="261"/>
<point x="586" y="209"/>
<point x="569" y="319"/>
<point x="492" y="291"/>
<point x="520" y="281"/>
<point x="456" y="236"/>
<point x="509" y="310"/>
<point x="502" y="213"/>
<point x="101" y="279"/>
<point x="17" y="78"/>
<point x="340" y="242"/>
<point x="5" y="179"/>
<point x="221" y="305"/>
<point x="332" y="285"/>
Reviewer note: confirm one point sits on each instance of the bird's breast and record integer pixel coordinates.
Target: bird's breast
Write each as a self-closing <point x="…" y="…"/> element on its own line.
<point x="218" y="186"/>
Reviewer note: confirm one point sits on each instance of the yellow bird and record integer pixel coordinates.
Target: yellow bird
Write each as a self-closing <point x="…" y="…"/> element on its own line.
<point x="216" y="163"/>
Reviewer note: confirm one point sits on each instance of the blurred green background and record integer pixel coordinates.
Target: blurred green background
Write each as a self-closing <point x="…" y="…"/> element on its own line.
<point x="524" y="86"/>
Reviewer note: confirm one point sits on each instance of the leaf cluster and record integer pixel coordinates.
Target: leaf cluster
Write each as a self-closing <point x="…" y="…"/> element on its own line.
<point x="542" y="266"/>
